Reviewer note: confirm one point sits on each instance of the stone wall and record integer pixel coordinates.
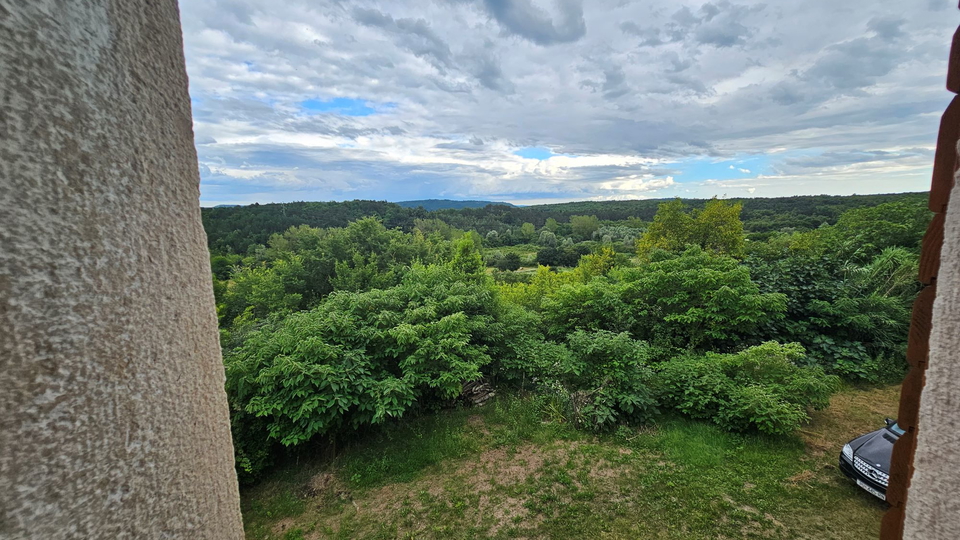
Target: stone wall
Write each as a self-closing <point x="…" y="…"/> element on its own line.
<point x="113" y="417"/>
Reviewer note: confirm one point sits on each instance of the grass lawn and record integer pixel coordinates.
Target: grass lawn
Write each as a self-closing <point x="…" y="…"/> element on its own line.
<point x="511" y="470"/>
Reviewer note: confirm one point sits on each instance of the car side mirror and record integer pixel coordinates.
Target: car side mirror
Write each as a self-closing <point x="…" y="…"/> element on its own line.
<point x="889" y="421"/>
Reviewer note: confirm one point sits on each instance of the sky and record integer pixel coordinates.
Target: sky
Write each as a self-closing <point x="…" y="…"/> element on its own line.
<point x="540" y="101"/>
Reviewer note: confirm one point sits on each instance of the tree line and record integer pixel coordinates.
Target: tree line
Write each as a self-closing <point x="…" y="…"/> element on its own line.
<point x="234" y="229"/>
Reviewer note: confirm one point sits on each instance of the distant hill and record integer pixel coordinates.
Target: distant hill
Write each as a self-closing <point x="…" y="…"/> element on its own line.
<point x="448" y="204"/>
<point x="236" y="228"/>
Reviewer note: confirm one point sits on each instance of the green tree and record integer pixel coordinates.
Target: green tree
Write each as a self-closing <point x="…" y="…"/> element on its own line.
<point x="584" y="226"/>
<point x="763" y="388"/>
<point x="862" y="233"/>
<point x="527" y="232"/>
<point x="671" y="229"/>
<point x="263" y="289"/>
<point x="692" y="300"/>
<point x="435" y="226"/>
<point x="467" y="258"/>
<point x="510" y="261"/>
<point x="608" y="379"/>
<point x="551" y="225"/>
<point x="716" y="228"/>
<point x="547" y="239"/>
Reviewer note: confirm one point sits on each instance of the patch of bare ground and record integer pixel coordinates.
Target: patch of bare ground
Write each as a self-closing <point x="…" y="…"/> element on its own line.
<point x="479" y="487"/>
<point x="475" y="423"/>
<point x="280" y="527"/>
<point x="605" y="470"/>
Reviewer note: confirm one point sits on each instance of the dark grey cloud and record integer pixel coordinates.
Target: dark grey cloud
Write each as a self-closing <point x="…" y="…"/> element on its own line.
<point x="649" y="37"/>
<point x="614" y="83"/>
<point x="413" y="35"/>
<point x="524" y="19"/>
<point x="722" y="23"/>
<point x="855" y="64"/>
<point x="483" y="63"/>
<point x="719" y="24"/>
<point x="839" y="159"/>
<point x="887" y="27"/>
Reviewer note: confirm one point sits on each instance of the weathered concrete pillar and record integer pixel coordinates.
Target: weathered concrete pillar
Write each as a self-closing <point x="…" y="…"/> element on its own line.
<point x="933" y="503"/>
<point x="113" y="417"/>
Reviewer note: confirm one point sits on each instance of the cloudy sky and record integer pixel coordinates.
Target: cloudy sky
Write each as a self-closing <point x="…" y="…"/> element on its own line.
<point x="535" y="101"/>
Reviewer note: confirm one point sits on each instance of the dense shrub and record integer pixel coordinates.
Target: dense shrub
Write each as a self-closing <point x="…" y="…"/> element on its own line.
<point x="607" y="379"/>
<point x="852" y="318"/>
<point x="763" y="388"/>
<point x="360" y="358"/>
<point x="687" y="301"/>
<point x="509" y="262"/>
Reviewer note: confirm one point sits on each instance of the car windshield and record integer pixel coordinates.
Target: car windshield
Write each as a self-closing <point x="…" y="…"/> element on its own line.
<point x="895" y="427"/>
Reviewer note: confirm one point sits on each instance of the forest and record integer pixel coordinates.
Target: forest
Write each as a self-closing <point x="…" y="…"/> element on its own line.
<point x="746" y="314"/>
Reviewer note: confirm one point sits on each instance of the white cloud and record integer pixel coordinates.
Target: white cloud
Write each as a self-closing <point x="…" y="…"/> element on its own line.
<point x="618" y="88"/>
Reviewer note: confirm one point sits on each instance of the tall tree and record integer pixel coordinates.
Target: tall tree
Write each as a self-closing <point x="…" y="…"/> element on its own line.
<point x="716" y="228"/>
<point x="584" y="226"/>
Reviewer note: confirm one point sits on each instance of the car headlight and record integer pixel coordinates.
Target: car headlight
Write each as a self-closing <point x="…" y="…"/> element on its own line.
<point x="848" y="452"/>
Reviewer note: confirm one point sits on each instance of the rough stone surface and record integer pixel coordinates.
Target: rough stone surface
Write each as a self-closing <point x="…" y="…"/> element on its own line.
<point x="113" y="417"/>
<point x="933" y="504"/>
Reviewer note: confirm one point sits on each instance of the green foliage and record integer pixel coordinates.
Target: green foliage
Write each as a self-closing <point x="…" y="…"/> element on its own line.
<point x="263" y="289"/>
<point x="761" y="388"/>
<point x="429" y="227"/>
<point x="232" y="230"/>
<point x="301" y="266"/>
<point x="528" y="231"/>
<point x="509" y="262"/>
<point x="583" y="227"/>
<point x="694" y="300"/>
<point x="360" y="358"/>
<point x="222" y="265"/>
<point x="864" y="232"/>
<point x="671" y="229"/>
<point x="607" y="378"/>
<point x="565" y="255"/>
<point x="716" y="228"/>
<point x="466" y="257"/>
<point x="547" y="239"/>
<point x="326" y="331"/>
<point x="852" y="317"/>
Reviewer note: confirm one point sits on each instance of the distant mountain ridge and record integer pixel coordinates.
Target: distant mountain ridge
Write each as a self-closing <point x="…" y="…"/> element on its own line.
<point x="448" y="204"/>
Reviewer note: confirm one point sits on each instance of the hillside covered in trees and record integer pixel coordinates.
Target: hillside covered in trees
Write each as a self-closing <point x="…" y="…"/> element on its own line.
<point x="236" y="228"/>
<point x="613" y="313"/>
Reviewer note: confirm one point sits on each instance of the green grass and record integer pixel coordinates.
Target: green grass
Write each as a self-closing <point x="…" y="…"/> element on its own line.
<point x="507" y="471"/>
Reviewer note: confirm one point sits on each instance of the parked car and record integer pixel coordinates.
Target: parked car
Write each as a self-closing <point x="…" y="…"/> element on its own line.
<point x="866" y="459"/>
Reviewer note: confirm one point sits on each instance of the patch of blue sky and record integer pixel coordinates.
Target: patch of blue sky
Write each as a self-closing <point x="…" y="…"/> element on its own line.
<point x="702" y="169"/>
<point x="536" y="152"/>
<point x="343" y="106"/>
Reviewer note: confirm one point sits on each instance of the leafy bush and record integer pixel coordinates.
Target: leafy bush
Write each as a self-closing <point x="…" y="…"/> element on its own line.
<point x="360" y="358"/>
<point x="762" y="388"/>
<point x="694" y="300"/>
<point x="848" y="315"/>
<point x="510" y="261"/>
<point x="607" y="379"/>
